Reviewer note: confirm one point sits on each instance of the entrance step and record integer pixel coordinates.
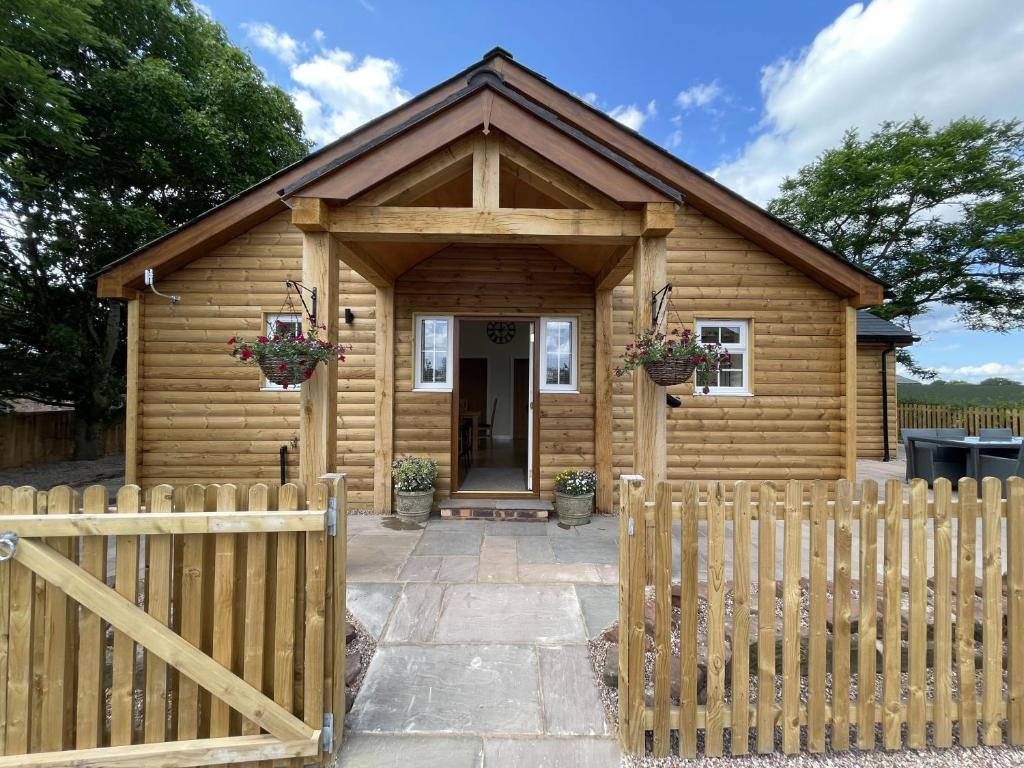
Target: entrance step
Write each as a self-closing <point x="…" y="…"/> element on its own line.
<point x="524" y="510"/>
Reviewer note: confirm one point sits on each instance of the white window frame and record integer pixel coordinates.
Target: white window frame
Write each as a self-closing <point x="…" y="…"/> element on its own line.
<point x="270" y="322"/>
<point x="574" y="354"/>
<point x="743" y="347"/>
<point x="433" y="386"/>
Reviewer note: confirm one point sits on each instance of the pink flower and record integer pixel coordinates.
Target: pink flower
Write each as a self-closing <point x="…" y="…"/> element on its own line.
<point x="262" y="339"/>
<point x="246" y="354"/>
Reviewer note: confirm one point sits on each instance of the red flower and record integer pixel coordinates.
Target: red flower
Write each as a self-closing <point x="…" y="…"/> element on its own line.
<point x="262" y="339"/>
<point x="232" y="340"/>
<point x="246" y="353"/>
<point x="706" y="390"/>
<point x="308" y="372"/>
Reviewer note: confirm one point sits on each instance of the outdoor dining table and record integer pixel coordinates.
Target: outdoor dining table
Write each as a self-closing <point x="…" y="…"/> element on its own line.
<point x="974" y="445"/>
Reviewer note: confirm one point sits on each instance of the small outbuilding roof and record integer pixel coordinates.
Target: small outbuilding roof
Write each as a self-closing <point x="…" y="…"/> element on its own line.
<point x="871" y="327"/>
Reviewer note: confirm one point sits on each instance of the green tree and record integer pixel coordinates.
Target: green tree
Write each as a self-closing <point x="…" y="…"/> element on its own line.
<point x="936" y="213"/>
<point x="121" y="120"/>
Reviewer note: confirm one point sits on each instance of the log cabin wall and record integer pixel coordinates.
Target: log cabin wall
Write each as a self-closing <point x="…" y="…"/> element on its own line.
<point x="508" y="281"/>
<point x="869" y="401"/>
<point x="792" y="426"/>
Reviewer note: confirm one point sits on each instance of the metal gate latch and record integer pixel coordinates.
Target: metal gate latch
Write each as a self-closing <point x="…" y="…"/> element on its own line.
<point x="8" y="543"/>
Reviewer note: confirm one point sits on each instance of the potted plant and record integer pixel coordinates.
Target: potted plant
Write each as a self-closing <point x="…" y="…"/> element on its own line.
<point x="413" y="479"/>
<point x="673" y="357"/>
<point x="288" y="357"/>
<point x="574" y="496"/>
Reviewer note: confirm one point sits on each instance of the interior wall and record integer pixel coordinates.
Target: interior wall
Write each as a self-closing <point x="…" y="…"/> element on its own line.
<point x="474" y="342"/>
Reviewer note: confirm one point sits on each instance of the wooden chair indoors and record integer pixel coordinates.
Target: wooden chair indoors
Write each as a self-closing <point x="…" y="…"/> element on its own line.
<point x="485" y="431"/>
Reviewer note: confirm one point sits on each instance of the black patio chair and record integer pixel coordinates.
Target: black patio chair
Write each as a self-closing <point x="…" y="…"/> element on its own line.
<point x="1003" y="467"/>
<point x="929" y="461"/>
<point x="995" y="433"/>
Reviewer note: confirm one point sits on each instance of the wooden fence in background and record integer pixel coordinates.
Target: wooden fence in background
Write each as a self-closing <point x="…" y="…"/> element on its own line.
<point x="971" y="418"/>
<point x="192" y="627"/>
<point x="927" y="621"/>
<point x="44" y="437"/>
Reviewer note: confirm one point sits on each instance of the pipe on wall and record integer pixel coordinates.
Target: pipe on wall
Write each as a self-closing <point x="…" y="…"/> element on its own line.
<point x="885" y="403"/>
<point x="282" y="455"/>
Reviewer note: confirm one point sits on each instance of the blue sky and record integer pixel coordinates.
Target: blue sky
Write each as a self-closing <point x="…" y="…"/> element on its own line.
<point x="746" y="90"/>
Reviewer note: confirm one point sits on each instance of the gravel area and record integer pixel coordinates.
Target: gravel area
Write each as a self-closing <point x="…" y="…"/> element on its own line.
<point x="363" y="644"/>
<point x="956" y="756"/>
<point x="107" y="471"/>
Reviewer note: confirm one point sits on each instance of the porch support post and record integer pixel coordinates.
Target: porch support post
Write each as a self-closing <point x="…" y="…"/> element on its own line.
<point x="648" y="398"/>
<point x="131" y="419"/>
<point x="849" y="447"/>
<point x="603" y="423"/>
<point x="383" y="440"/>
<point x="318" y="409"/>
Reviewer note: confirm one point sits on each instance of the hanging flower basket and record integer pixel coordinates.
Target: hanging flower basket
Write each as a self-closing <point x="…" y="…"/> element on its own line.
<point x="671" y="371"/>
<point x="285" y="372"/>
<point x="671" y="358"/>
<point x="288" y="357"/>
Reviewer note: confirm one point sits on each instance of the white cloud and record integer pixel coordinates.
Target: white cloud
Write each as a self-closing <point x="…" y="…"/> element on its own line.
<point x="590" y="97"/>
<point x="675" y="139"/>
<point x="266" y="36"/>
<point x="699" y="95"/>
<point x="205" y="10"/>
<point x="889" y="60"/>
<point x="984" y="371"/>
<point x="336" y="93"/>
<point x="632" y="116"/>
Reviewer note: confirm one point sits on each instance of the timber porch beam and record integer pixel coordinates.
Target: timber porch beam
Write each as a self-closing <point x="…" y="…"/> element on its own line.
<point x="468" y="225"/>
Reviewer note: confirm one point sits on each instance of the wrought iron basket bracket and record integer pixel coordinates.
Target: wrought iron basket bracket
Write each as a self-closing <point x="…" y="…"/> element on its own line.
<point x="658" y="299"/>
<point x="299" y="288"/>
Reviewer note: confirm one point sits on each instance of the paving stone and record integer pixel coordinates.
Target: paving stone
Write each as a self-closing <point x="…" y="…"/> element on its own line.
<point x="420" y="568"/>
<point x="514" y="613"/>
<point x="372" y="604"/>
<point x="498" y="560"/>
<point x="584" y="573"/>
<point x="516" y="528"/>
<point x="415" y="614"/>
<point x="371" y="750"/>
<point x="585" y="548"/>
<point x="417" y="688"/>
<point x="600" y="606"/>
<point x="535" y="550"/>
<point x="450" y="540"/>
<point x="552" y="753"/>
<point x="378" y="557"/>
<point x="458" y="568"/>
<point x="572" y="706"/>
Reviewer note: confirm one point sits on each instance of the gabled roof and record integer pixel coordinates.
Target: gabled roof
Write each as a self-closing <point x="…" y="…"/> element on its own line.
<point x="553" y="109"/>
<point x="871" y="327"/>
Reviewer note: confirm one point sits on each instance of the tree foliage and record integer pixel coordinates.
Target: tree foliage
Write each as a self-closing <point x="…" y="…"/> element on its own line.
<point x="121" y="119"/>
<point x="936" y="213"/>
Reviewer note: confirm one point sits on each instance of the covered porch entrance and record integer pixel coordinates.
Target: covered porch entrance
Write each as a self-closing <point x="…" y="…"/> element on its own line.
<point x="503" y="224"/>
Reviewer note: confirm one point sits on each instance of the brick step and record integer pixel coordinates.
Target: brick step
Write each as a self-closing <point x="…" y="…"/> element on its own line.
<point x="523" y="510"/>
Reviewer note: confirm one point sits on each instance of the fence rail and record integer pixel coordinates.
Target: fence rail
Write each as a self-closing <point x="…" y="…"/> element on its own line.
<point x="46" y="437"/>
<point x="971" y="418"/>
<point x="195" y="625"/>
<point x="850" y="618"/>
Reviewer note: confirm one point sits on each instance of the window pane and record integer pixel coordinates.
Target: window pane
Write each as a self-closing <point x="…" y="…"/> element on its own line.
<point x="428" y="334"/>
<point x="427" y="367"/>
<point x="705" y="379"/>
<point x="735" y="360"/>
<point x="709" y="334"/>
<point x="730" y="334"/>
<point x="441" y="366"/>
<point x="731" y="378"/>
<point x="564" y="338"/>
<point x="551" y="374"/>
<point x="441" y="334"/>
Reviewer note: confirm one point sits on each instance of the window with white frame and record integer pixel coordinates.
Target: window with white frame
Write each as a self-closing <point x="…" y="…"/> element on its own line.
<point x="433" y="351"/>
<point x="734" y="376"/>
<point x="286" y="324"/>
<point x="559" y="354"/>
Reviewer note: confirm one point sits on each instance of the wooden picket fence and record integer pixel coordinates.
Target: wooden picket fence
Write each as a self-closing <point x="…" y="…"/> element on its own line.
<point x="44" y="437"/>
<point x="971" y="418"/>
<point x="928" y="622"/>
<point x="200" y="625"/>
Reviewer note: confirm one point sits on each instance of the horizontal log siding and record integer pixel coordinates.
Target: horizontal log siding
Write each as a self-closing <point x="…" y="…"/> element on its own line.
<point x="793" y="426"/>
<point x="203" y="416"/>
<point x="869" y="402"/>
<point x="515" y="281"/>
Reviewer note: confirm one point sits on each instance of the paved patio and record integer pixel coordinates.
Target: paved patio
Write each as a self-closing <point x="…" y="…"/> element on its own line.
<point x="482" y="631"/>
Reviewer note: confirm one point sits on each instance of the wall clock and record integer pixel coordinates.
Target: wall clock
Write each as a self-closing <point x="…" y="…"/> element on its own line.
<point x="500" y="331"/>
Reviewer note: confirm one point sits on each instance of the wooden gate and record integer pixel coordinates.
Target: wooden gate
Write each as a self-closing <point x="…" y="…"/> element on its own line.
<point x="202" y="627"/>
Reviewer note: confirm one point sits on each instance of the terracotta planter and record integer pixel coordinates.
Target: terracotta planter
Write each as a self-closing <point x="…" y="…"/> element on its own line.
<point x="414" y="506"/>
<point x="574" y="510"/>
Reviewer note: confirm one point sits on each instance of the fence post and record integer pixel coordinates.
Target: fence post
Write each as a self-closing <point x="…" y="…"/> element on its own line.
<point x="632" y="579"/>
<point x="1015" y="607"/>
<point x="334" y="683"/>
<point x="662" y="614"/>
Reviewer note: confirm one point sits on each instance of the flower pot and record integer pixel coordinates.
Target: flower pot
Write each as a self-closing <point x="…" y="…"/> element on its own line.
<point x="294" y="374"/>
<point x="666" y="373"/>
<point x="574" y="510"/>
<point x="414" y="506"/>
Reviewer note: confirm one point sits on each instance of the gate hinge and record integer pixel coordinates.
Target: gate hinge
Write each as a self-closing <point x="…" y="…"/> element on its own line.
<point x="332" y="516"/>
<point x="8" y="544"/>
<point x="327" y="734"/>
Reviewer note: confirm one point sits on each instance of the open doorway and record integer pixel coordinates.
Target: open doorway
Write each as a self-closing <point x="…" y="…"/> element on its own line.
<point x="493" y="406"/>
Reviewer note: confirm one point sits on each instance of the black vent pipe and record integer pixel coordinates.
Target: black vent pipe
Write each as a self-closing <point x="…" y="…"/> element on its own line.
<point x="283" y="457"/>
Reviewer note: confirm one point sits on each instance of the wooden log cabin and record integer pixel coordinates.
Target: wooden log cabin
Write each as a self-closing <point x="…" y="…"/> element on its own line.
<point x="487" y="249"/>
<point x="877" y="415"/>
